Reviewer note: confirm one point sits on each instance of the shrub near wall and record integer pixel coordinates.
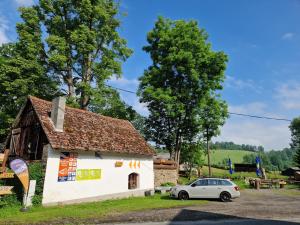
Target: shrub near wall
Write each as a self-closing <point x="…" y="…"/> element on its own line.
<point x="36" y="172"/>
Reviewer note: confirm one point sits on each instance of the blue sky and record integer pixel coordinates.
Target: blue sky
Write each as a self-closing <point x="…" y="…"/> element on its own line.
<point x="261" y="38"/>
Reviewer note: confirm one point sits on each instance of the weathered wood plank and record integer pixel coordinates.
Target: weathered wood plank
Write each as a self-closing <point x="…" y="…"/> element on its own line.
<point x="6" y="175"/>
<point x="6" y="190"/>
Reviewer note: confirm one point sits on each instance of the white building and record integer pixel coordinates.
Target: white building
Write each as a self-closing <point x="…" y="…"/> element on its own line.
<point x="87" y="156"/>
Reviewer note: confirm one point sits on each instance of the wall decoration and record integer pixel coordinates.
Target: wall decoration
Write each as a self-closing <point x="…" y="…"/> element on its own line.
<point x="134" y="164"/>
<point x="118" y="163"/>
<point x="88" y="174"/>
<point x="67" y="166"/>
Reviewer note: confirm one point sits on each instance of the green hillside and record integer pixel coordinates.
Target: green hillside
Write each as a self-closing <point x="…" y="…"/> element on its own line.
<point x="236" y="156"/>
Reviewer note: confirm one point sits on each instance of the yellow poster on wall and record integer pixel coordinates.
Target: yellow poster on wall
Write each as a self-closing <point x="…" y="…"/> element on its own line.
<point x="88" y="174"/>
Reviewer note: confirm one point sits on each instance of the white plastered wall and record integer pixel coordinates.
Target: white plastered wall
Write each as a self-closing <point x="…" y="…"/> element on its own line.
<point x="114" y="180"/>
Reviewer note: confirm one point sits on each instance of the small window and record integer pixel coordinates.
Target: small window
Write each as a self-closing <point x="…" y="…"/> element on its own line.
<point x="133" y="181"/>
<point x="224" y="182"/>
<point x="200" y="183"/>
<point x="212" y="182"/>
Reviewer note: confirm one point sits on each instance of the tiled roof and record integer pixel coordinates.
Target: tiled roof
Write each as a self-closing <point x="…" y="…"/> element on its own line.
<point x="87" y="131"/>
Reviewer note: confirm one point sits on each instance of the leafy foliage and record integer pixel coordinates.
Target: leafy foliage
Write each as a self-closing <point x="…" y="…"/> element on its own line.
<point x="223" y="145"/>
<point x="22" y="70"/>
<point x="273" y="160"/>
<point x="213" y="115"/>
<point x="36" y="172"/>
<point x="78" y="48"/>
<point x="193" y="155"/>
<point x="184" y="72"/>
<point x="84" y="47"/>
<point x="295" y="145"/>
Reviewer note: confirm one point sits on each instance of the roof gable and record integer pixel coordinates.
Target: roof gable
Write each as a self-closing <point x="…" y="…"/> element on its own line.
<point x="87" y="131"/>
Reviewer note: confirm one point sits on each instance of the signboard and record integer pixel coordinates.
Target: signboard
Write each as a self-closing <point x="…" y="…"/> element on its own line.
<point x="6" y="190"/>
<point x="67" y="166"/>
<point x="118" y="163"/>
<point x="20" y="168"/>
<point x="6" y="175"/>
<point x="88" y="174"/>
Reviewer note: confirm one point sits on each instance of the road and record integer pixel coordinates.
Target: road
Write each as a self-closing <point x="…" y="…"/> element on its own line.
<point x="266" y="207"/>
<point x="219" y="222"/>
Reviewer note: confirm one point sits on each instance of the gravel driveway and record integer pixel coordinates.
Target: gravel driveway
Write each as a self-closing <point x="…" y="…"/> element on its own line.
<point x="260" y="207"/>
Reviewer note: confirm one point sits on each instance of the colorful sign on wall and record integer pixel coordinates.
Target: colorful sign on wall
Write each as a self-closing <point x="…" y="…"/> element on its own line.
<point x="88" y="174"/>
<point x="134" y="164"/>
<point x="118" y="163"/>
<point x="67" y="166"/>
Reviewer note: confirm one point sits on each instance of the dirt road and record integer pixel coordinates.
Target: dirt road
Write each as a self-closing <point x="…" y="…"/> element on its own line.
<point x="256" y="207"/>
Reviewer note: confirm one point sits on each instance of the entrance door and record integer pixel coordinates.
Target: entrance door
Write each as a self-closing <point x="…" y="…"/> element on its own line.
<point x="133" y="181"/>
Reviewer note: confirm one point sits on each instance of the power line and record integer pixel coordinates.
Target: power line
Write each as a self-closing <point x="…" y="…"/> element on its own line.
<point x="132" y="92"/>
<point x="259" y="117"/>
<point x="232" y="113"/>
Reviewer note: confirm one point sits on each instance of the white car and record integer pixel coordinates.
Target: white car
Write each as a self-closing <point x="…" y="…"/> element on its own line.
<point x="216" y="188"/>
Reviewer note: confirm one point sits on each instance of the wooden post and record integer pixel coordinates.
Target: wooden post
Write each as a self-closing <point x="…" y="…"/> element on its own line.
<point x="4" y="160"/>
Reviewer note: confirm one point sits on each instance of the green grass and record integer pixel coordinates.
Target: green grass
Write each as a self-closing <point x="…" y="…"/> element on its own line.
<point x="236" y="156"/>
<point x="97" y="210"/>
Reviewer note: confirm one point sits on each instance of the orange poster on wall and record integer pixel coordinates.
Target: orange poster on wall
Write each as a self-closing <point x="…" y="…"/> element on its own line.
<point x="67" y="166"/>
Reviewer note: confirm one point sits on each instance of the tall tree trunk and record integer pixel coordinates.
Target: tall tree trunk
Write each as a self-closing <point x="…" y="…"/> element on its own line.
<point x="208" y="155"/>
<point x="70" y="84"/>
<point x="87" y="77"/>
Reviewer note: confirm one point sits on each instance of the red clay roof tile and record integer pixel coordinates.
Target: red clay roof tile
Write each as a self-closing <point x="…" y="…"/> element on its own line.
<point x="87" y="131"/>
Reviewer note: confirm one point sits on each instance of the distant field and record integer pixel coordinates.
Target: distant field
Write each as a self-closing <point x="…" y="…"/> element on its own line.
<point x="236" y="156"/>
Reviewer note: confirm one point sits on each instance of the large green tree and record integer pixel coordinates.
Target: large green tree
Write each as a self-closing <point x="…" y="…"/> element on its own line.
<point x="71" y="43"/>
<point x="213" y="115"/>
<point x="192" y="154"/>
<point x="84" y="47"/>
<point x="23" y="70"/>
<point x="184" y="71"/>
<point x="295" y="144"/>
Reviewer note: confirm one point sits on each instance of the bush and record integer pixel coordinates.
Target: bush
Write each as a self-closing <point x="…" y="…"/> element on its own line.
<point x="36" y="172"/>
<point x="9" y="201"/>
<point x="167" y="184"/>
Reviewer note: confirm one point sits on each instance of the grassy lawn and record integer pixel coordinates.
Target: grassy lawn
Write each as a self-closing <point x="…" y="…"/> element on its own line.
<point x="236" y="156"/>
<point x="90" y="210"/>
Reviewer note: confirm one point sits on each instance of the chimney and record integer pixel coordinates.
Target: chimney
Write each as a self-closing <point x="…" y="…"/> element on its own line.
<point x="58" y="113"/>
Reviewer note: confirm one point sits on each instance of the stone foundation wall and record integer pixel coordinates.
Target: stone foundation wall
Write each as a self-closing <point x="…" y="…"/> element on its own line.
<point x="165" y="175"/>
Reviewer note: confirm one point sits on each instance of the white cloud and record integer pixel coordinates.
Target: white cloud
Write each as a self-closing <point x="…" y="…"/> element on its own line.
<point x="24" y="2"/>
<point x="288" y="36"/>
<point x="246" y="130"/>
<point x="123" y="81"/>
<point x="289" y="95"/>
<point x="235" y="83"/>
<point x="3" y="30"/>
<point x="271" y="135"/>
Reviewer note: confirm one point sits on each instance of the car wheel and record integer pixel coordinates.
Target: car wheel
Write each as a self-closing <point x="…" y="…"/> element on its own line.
<point x="183" y="195"/>
<point x="225" y="197"/>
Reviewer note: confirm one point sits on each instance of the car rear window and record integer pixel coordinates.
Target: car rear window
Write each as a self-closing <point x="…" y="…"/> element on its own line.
<point x="224" y="182"/>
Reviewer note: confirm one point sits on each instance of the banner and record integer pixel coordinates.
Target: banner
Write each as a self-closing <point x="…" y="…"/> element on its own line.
<point x="67" y="166"/>
<point x="88" y="174"/>
<point x="258" y="171"/>
<point x="20" y="168"/>
<point x="231" y="171"/>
